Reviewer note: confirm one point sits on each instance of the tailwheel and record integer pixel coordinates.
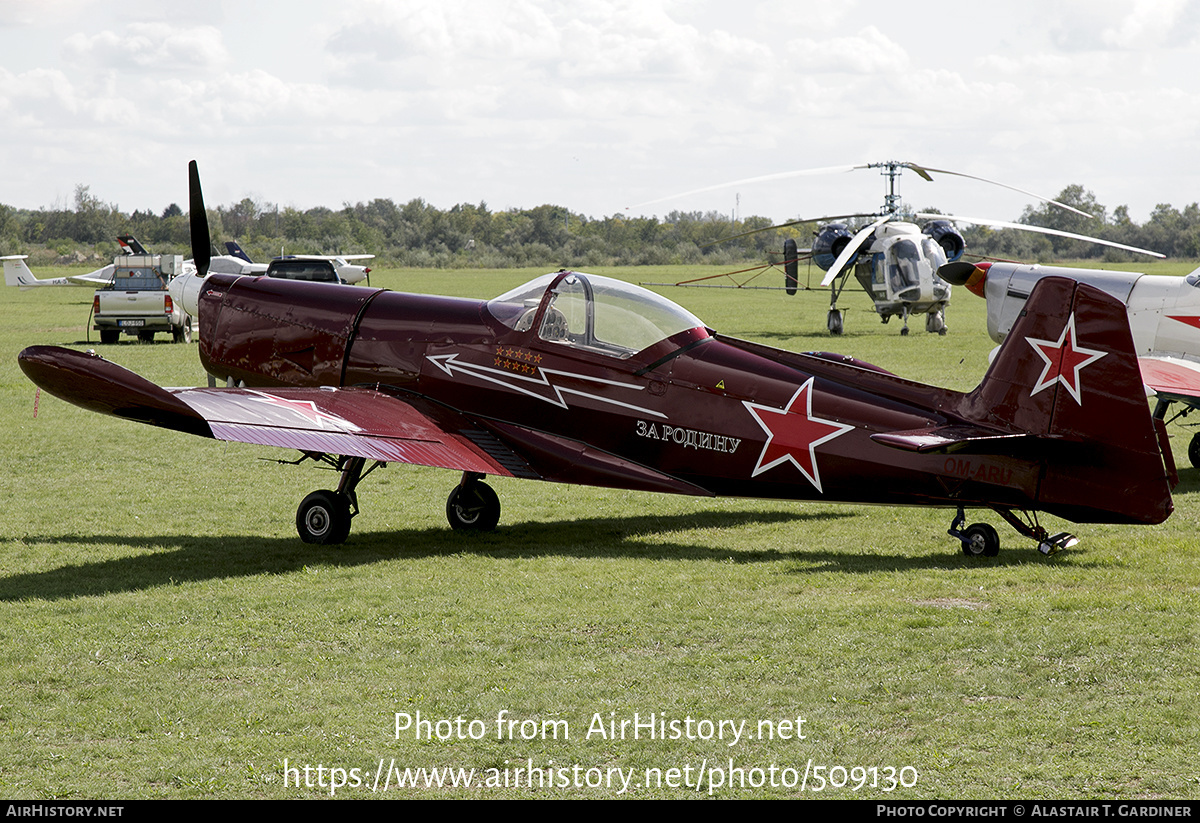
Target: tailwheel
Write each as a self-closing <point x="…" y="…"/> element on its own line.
<point x="324" y="517"/>
<point x="1046" y="543"/>
<point x="473" y="505"/>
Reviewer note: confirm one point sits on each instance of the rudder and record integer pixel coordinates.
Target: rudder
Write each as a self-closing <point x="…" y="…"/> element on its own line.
<point x="1068" y="374"/>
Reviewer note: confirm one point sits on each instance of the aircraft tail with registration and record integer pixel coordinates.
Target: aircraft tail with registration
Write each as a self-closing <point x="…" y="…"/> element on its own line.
<point x="17" y="273"/>
<point x="1067" y="388"/>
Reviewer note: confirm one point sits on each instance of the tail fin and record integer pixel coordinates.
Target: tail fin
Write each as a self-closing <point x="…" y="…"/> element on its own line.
<point x="235" y="250"/>
<point x="130" y="245"/>
<point x="16" y="273"/>
<point x="1068" y="374"/>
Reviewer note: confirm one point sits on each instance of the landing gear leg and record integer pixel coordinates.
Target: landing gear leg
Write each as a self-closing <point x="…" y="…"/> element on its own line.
<point x="324" y="516"/>
<point x="472" y="505"/>
<point x="904" y="317"/>
<point x="1047" y="543"/>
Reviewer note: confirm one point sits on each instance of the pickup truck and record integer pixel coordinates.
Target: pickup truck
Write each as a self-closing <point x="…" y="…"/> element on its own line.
<point x="137" y="300"/>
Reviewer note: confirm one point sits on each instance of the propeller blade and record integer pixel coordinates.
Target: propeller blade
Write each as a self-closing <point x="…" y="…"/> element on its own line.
<point x="852" y="249"/>
<point x="763" y="179"/>
<point x="1000" y="224"/>
<point x="198" y="219"/>
<point x="925" y="170"/>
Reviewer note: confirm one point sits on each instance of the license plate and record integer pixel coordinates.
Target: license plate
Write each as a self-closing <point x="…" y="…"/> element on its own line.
<point x="131" y="323"/>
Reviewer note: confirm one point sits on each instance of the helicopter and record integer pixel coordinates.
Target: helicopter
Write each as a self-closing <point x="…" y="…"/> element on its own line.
<point x="894" y="258"/>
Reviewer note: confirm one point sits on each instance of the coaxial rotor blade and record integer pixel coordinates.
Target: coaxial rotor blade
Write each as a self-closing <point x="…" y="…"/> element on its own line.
<point x="763" y="179"/>
<point x="798" y="222"/>
<point x="852" y="249"/>
<point x="925" y="170"/>
<point x="1000" y="224"/>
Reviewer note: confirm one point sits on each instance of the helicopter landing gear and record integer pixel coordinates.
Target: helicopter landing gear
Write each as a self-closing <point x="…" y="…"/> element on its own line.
<point x="473" y="505"/>
<point x="834" y="321"/>
<point x="935" y="321"/>
<point x="904" y="317"/>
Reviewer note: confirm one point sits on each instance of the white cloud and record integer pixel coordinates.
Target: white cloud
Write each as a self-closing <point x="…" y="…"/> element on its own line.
<point x="593" y="104"/>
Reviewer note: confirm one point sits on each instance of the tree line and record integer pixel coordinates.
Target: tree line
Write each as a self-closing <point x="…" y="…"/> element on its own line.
<point x="418" y="234"/>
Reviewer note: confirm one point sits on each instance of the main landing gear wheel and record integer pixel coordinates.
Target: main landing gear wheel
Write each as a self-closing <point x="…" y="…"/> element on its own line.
<point x="834" y="321"/>
<point x="981" y="540"/>
<point x="473" y="506"/>
<point x="324" y="518"/>
<point x="183" y="333"/>
<point x="1194" y="450"/>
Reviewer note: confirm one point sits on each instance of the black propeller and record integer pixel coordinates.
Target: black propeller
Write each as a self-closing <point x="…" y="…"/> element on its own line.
<point x="198" y="219"/>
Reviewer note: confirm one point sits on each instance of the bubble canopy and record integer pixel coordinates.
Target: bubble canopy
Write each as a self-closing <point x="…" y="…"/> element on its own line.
<point x="593" y="313"/>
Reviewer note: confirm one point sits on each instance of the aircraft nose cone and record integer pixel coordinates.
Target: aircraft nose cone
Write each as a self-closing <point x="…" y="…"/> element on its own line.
<point x="185" y="292"/>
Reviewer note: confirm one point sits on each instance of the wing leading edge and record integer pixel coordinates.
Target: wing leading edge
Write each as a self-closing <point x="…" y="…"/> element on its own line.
<point x="356" y="421"/>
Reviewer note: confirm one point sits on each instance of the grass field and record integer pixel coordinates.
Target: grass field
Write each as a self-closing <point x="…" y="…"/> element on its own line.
<point x="165" y="634"/>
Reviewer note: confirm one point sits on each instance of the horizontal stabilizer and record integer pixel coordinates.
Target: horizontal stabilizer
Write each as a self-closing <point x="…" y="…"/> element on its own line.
<point x="1172" y="377"/>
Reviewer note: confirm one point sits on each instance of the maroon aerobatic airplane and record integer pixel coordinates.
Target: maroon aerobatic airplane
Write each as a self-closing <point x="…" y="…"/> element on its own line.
<point x="576" y="378"/>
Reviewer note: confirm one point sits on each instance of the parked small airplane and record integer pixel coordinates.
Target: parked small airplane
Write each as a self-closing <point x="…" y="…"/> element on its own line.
<point x="1164" y="318"/>
<point x="581" y="379"/>
<point x="17" y="273"/>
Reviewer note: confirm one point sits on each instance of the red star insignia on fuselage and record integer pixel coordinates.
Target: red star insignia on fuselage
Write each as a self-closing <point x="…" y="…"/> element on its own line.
<point x="793" y="434"/>
<point x="1065" y="359"/>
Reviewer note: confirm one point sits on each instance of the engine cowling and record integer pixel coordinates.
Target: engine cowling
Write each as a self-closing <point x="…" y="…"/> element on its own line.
<point x="946" y="236"/>
<point x="830" y="242"/>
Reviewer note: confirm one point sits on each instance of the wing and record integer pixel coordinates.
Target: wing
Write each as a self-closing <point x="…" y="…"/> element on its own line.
<point x="359" y="422"/>
<point x="1172" y="378"/>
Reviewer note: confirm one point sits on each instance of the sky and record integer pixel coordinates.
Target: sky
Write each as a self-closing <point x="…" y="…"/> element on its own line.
<point x="603" y="106"/>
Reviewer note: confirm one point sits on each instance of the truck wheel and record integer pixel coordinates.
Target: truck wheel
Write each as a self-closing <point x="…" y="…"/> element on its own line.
<point x="183" y="333"/>
<point x="109" y="336"/>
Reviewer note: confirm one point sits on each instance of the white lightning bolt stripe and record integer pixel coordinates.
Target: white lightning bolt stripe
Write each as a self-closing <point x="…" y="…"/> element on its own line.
<point x="449" y="363"/>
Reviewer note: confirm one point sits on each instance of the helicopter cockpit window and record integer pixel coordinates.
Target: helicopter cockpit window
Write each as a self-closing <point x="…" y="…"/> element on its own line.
<point x="936" y="256"/>
<point x="903" y="265"/>
<point x="593" y="313"/>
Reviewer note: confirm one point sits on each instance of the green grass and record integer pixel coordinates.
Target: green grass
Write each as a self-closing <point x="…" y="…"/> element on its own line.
<point x="164" y="633"/>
